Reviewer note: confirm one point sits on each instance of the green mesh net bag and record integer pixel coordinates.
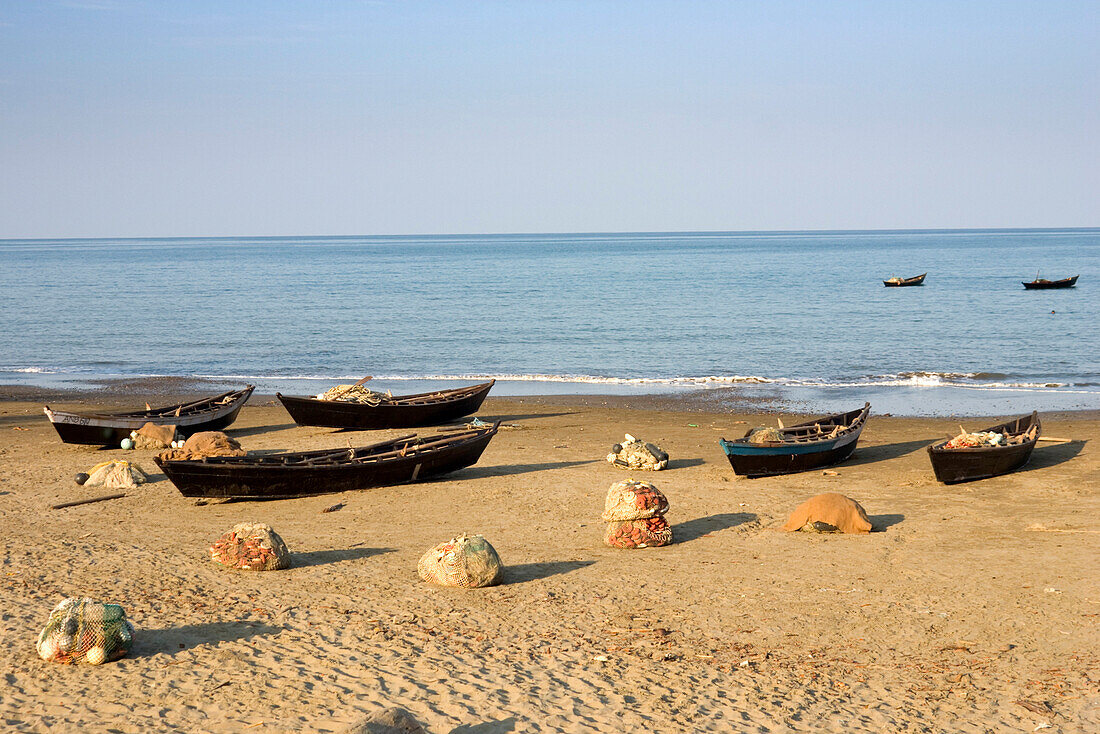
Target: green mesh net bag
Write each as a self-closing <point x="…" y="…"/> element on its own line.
<point x="632" y="500"/>
<point x="251" y="546"/>
<point x="467" y="561"/>
<point x="652" y="532"/>
<point x="83" y="630"/>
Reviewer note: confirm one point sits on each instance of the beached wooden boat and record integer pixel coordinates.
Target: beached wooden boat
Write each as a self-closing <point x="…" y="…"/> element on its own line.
<point x="400" y="411"/>
<point x="306" y="473"/>
<point x="105" y="429"/>
<point x="810" y="445"/>
<point x="902" y="282"/>
<point x="981" y="462"/>
<point x="1042" y="284"/>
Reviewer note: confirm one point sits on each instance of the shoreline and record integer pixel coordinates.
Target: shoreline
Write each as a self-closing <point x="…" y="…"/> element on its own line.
<point x="125" y="393"/>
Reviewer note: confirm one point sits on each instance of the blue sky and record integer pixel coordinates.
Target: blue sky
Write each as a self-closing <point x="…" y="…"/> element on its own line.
<point x="125" y="118"/>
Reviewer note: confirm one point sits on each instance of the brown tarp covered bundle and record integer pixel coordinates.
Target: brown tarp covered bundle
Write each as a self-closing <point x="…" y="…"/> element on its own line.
<point x="152" y="436"/>
<point x="207" y="443"/>
<point x="836" y="510"/>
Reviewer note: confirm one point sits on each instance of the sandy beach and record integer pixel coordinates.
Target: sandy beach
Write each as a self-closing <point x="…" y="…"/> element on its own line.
<point x="972" y="608"/>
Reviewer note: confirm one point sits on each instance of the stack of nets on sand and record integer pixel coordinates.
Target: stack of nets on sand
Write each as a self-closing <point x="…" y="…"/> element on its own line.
<point x="82" y="630"/>
<point x="468" y="561"/>
<point x="115" y="475"/>
<point x="633" y="453"/>
<point x="251" y="546"/>
<point x="355" y="394"/>
<point x="635" y="516"/>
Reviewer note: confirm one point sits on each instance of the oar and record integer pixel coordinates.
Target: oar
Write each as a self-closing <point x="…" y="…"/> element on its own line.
<point x="351" y="387"/>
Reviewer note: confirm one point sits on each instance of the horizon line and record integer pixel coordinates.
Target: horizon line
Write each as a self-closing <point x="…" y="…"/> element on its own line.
<point x="550" y="234"/>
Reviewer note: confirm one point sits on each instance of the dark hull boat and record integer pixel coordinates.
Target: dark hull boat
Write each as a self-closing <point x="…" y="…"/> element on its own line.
<point x="809" y="445"/>
<point x="105" y="429"/>
<point x="401" y="411"/>
<point x="1041" y="284"/>
<point x="308" y="473"/>
<point x="902" y="282"/>
<point x="981" y="462"/>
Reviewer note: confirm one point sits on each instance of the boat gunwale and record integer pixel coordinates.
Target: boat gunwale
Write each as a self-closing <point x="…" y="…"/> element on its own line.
<point x="272" y="461"/>
<point x="860" y="418"/>
<point x="203" y="408"/>
<point x="424" y="398"/>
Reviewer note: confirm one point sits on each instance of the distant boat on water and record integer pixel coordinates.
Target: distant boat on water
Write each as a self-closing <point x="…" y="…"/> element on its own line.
<point x="1041" y="284"/>
<point x="896" y="282"/>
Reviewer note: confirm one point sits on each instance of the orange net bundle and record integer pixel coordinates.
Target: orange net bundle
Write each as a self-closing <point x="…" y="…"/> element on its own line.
<point x="652" y="532"/>
<point x="251" y="547"/>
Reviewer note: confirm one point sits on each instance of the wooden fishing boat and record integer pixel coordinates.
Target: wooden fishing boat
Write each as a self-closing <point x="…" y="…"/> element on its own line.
<point x="981" y="462"/>
<point x="902" y="282"/>
<point x="306" y="473"/>
<point x="106" y="429"/>
<point x="1042" y="284"/>
<point x="810" y="445"/>
<point x="400" y="411"/>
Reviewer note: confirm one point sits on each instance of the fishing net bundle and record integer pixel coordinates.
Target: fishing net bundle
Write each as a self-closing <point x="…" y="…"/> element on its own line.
<point x="202" y="444"/>
<point x="468" y="561"/>
<point x="765" y="434"/>
<point x="151" y="436"/>
<point x="829" y="513"/>
<point x="652" y="532"/>
<point x="115" y="475"/>
<point x="83" y="630"/>
<point x="633" y="453"/>
<point x="251" y="546"/>
<point x="633" y="500"/>
<point x="634" y="513"/>
<point x="973" y="440"/>
<point x="355" y="394"/>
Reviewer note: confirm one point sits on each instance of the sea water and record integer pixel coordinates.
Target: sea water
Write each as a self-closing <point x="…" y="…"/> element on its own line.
<point x="796" y="316"/>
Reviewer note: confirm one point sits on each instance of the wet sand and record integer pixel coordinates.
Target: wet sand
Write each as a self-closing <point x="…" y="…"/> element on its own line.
<point x="972" y="608"/>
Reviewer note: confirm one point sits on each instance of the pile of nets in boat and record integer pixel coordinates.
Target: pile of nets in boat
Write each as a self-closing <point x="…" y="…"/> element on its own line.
<point x="829" y="513"/>
<point x="766" y="434"/>
<point x="115" y="475"/>
<point x="83" y="630"/>
<point x="973" y="440"/>
<point x="355" y="394"/>
<point x="468" y="561"/>
<point x="251" y="546"/>
<point x="151" y="436"/>
<point x="633" y="453"/>
<point x="202" y="444"/>
<point x="634" y="513"/>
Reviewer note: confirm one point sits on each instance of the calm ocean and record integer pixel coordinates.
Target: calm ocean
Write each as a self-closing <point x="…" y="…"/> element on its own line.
<point x="802" y="317"/>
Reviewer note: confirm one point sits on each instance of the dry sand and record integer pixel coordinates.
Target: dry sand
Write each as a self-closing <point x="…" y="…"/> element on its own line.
<point x="955" y="616"/>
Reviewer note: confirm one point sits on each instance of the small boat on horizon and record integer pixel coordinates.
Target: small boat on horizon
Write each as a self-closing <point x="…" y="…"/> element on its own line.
<point x="811" y="445"/>
<point x="1042" y="284"/>
<point x="308" y="473"/>
<point x="896" y="282"/>
<point x="966" y="464"/>
<point x="106" y="429"/>
<point x="398" y="411"/>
